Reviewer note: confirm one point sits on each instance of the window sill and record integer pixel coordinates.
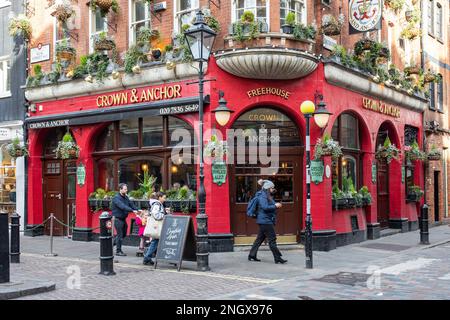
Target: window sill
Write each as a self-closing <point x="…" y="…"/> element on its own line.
<point x="5" y="4"/>
<point x="5" y="95"/>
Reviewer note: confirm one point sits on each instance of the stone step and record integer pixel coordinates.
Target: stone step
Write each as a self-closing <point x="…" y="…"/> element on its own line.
<point x="389" y="232"/>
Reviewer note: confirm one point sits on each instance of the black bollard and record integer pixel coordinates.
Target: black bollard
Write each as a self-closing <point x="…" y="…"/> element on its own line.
<point x="15" y="238"/>
<point x="106" y="245"/>
<point x="424" y="234"/>
<point x="4" y="248"/>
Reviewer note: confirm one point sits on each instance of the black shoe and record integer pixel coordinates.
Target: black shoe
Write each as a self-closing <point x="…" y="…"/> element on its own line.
<point x="148" y="262"/>
<point x="280" y="260"/>
<point x="250" y="258"/>
<point x="120" y="254"/>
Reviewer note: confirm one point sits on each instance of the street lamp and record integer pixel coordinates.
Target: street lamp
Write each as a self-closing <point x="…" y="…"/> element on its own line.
<point x="321" y="117"/>
<point x="200" y="39"/>
<point x="222" y="113"/>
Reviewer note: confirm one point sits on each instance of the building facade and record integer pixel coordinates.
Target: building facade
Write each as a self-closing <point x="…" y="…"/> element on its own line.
<point x="128" y="122"/>
<point x="12" y="100"/>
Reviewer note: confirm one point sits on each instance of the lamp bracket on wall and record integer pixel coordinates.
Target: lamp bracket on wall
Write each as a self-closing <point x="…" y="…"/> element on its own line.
<point x="215" y="2"/>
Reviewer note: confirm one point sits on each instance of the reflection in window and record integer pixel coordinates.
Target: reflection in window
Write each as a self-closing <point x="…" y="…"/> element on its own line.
<point x="106" y="139"/>
<point x="128" y="133"/>
<point x="131" y="171"/>
<point x="177" y="129"/>
<point x="105" y="174"/>
<point x="152" y="132"/>
<point x="183" y="174"/>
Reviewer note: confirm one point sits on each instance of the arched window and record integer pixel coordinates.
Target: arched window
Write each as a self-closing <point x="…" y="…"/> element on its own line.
<point x="128" y="148"/>
<point x="52" y="140"/>
<point x="346" y="132"/>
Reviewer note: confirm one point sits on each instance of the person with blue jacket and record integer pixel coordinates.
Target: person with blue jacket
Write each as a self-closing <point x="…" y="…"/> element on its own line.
<point x="266" y="220"/>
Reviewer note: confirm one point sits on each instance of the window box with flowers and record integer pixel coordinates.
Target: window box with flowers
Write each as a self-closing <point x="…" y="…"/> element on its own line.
<point x="105" y="6"/>
<point x="67" y="148"/>
<point x="64" y="51"/>
<point x="434" y="154"/>
<point x="387" y="151"/>
<point x="332" y="26"/>
<point x="16" y="150"/>
<point x="413" y="152"/>
<point x="103" y="42"/>
<point x="365" y="195"/>
<point x="326" y="146"/>
<point x="100" y="199"/>
<point x="414" y="193"/>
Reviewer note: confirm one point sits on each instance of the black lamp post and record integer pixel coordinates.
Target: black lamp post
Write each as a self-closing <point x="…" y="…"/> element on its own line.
<point x="200" y="39"/>
<point x="321" y="117"/>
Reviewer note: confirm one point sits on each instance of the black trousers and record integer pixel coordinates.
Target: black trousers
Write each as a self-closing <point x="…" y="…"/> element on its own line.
<point x="266" y="231"/>
<point x="121" y="232"/>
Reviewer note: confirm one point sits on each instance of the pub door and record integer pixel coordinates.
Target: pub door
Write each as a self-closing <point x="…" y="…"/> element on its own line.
<point x="59" y="178"/>
<point x="383" y="192"/>
<point x="288" y="183"/>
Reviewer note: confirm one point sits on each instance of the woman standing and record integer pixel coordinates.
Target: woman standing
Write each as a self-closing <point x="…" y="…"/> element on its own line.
<point x="266" y="220"/>
<point x="157" y="211"/>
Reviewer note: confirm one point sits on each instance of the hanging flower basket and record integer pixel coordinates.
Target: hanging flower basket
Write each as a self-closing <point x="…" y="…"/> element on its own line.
<point x="430" y="76"/>
<point x="413" y="153"/>
<point x="15" y="150"/>
<point x="67" y="148"/>
<point x="104" y="43"/>
<point x="411" y="70"/>
<point x="363" y="45"/>
<point x="20" y="26"/>
<point x="327" y="147"/>
<point x="64" y="52"/>
<point x="332" y="26"/>
<point x="414" y="193"/>
<point x="387" y="151"/>
<point x="62" y="10"/>
<point x="105" y="6"/>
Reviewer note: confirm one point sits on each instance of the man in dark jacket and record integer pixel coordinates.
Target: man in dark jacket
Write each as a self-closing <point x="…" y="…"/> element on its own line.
<point x="121" y="207"/>
<point x="266" y="220"/>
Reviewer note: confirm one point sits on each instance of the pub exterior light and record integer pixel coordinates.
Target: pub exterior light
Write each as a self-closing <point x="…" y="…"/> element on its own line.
<point x="322" y="115"/>
<point x="307" y="107"/>
<point x="222" y="112"/>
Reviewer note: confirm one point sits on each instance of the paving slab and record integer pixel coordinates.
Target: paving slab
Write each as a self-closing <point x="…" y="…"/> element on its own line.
<point x="24" y="287"/>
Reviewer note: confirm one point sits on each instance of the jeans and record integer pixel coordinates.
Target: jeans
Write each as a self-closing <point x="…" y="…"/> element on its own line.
<point x="121" y="232"/>
<point x="152" y="249"/>
<point x="266" y="231"/>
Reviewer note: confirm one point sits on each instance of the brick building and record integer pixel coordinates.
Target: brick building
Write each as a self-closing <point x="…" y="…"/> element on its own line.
<point x="123" y="122"/>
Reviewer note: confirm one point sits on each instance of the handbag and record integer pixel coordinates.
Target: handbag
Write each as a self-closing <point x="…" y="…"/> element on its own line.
<point x="153" y="227"/>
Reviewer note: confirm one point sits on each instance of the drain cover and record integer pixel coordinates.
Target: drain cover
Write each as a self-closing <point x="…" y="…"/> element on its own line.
<point x="347" y="278"/>
<point x="385" y="246"/>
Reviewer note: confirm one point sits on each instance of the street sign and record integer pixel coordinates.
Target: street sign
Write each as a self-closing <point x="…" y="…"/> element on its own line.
<point x="81" y="174"/>
<point x="219" y="172"/>
<point x="317" y="170"/>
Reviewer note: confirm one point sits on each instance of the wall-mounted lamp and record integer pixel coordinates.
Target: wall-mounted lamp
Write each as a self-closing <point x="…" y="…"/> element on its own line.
<point x="222" y="112"/>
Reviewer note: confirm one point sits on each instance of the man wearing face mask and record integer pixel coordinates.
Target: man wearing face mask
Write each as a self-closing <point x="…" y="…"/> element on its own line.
<point x="266" y="220"/>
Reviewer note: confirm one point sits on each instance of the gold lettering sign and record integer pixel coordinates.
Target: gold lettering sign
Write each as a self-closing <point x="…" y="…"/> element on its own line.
<point x="268" y="91"/>
<point x="381" y="107"/>
<point x="139" y="95"/>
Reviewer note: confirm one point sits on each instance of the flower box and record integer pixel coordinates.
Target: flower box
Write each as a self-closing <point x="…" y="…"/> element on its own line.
<point x="413" y="197"/>
<point x="434" y="157"/>
<point x="286" y="28"/>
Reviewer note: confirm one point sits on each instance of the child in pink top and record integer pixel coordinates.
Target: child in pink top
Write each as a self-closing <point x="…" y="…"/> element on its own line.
<point x="141" y="221"/>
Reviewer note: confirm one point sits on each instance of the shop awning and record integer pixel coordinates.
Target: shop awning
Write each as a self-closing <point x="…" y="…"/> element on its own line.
<point x="160" y="108"/>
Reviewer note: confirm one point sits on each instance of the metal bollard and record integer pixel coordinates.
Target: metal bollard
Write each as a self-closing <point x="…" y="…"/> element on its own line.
<point x="4" y="248"/>
<point x="51" y="254"/>
<point x="15" y="238"/>
<point x="106" y="245"/>
<point x="424" y="234"/>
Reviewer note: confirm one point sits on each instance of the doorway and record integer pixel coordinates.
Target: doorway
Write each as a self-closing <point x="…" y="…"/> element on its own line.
<point x="436" y="195"/>
<point x="383" y="205"/>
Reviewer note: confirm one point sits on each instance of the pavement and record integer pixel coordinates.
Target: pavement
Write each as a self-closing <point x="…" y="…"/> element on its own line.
<point x="393" y="267"/>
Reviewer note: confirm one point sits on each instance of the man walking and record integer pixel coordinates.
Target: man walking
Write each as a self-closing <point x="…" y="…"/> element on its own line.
<point x="121" y="207"/>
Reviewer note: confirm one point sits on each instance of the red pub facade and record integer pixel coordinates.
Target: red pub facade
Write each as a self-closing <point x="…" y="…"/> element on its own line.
<point x="124" y="126"/>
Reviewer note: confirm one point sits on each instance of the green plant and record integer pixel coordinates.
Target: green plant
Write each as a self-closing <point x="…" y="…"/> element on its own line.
<point x="54" y="75"/>
<point x="247" y="17"/>
<point x="15" y="149"/>
<point x="365" y="194"/>
<point x="133" y="57"/>
<point x="332" y="26"/>
<point x="336" y="192"/>
<point x="291" y="19"/>
<point x="212" y="22"/>
<point x="104" y="9"/>
<point x="434" y="153"/>
<point x="416" y="191"/>
<point x="64" y="46"/>
<point x="411" y="32"/>
<point x="395" y="5"/>
<point x="35" y="80"/>
<point x="20" y="26"/>
<point x="244" y="31"/>
<point x="67" y="148"/>
<point x="215" y="148"/>
<point x="136" y="194"/>
<point x="146" y="34"/>
<point x="414" y="153"/>
<point x="147" y="183"/>
<point x="387" y="151"/>
<point x="302" y="32"/>
<point x="326" y="146"/>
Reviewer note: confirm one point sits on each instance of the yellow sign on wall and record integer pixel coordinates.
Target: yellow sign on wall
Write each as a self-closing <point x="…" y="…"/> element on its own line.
<point x="381" y="107"/>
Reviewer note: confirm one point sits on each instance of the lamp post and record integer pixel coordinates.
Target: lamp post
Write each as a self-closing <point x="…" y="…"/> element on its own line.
<point x="200" y="39"/>
<point x="321" y="117"/>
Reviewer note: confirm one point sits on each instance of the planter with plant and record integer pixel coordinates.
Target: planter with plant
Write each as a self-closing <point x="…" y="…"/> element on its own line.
<point x="291" y="20"/>
<point x="67" y="148"/>
<point x="413" y="152"/>
<point x="20" y="26"/>
<point x="363" y="45"/>
<point x="103" y="42"/>
<point x="332" y="26"/>
<point x="93" y="66"/>
<point x="434" y="154"/>
<point x="348" y="188"/>
<point x="36" y="79"/>
<point x="338" y="199"/>
<point x="431" y="76"/>
<point x="302" y="32"/>
<point x="387" y="151"/>
<point x="216" y="149"/>
<point x="326" y="146"/>
<point x="146" y="184"/>
<point x="64" y="51"/>
<point x="62" y="10"/>
<point x="105" y="6"/>
<point x="101" y="199"/>
<point x="411" y="32"/>
<point x="15" y="149"/>
<point x="412" y="69"/>
<point x="366" y="196"/>
<point x="181" y="199"/>
<point x="247" y="28"/>
<point x="414" y="193"/>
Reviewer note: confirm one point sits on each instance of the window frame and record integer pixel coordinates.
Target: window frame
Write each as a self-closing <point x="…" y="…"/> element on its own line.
<point x="6" y="76"/>
<point x="178" y="13"/>
<point x="440" y="96"/>
<point x="408" y="165"/>
<point x="432" y="103"/>
<point x="131" y="19"/>
<point x="438" y="20"/>
<point x="302" y="19"/>
<point x="430" y="17"/>
<point x="55" y="37"/>
<point x="93" y="26"/>
<point x="254" y="9"/>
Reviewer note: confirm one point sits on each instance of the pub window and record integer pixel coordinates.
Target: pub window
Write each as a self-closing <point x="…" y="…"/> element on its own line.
<point x="98" y="24"/>
<point x="411" y="136"/>
<point x="295" y="6"/>
<point x="5" y="76"/>
<point x="142" y="147"/>
<point x="430" y="17"/>
<point x="139" y="17"/>
<point x="346" y="131"/>
<point x="185" y="12"/>
<point x="439" y="21"/>
<point x="260" y="9"/>
<point x="432" y="102"/>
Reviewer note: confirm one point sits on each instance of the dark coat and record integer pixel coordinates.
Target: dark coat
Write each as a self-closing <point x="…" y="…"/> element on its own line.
<point x="267" y="212"/>
<point x="121" y="206"/>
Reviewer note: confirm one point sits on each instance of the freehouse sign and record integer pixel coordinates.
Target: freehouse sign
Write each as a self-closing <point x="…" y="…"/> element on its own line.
<point x="139" y="95"/>
<point x="381" y="107"/>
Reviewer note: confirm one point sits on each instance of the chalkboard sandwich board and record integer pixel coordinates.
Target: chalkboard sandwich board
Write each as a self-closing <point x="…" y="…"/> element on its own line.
<point x="177" y="241"/>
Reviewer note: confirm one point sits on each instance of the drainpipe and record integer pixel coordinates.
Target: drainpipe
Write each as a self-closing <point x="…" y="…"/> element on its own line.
<point x="445" y="182"/>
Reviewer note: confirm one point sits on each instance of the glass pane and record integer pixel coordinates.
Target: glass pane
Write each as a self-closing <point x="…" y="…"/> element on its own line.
<point x="349" y="170"/>
<point x="245" y="188"/>
<point x="106" y="140"/>
<point x="182" y="174"/>
<point x="71" y="186"/>
<point x="140" y="11"/>
<point x="104" y="174"/>
<point x="349" y="131"/>
<point x="152" y="132"/>
<point x="99" y="22"/>
<point x="177" y="129"/>
<point x="131" y="172"/>
<point x="52" y="142"/>
<point x="128" y="133"/>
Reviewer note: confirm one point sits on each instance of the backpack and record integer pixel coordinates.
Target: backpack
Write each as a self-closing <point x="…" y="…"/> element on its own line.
<point x="252" y="207"/>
